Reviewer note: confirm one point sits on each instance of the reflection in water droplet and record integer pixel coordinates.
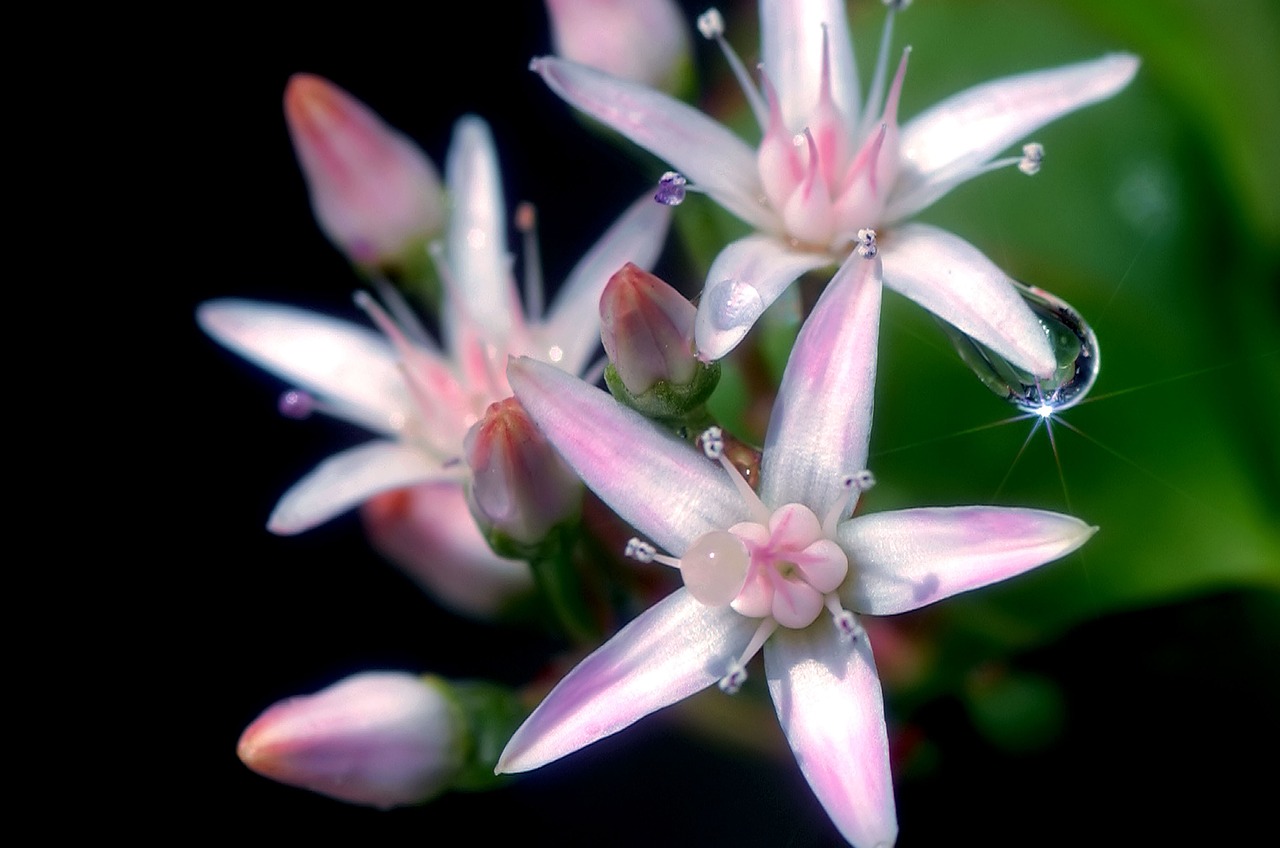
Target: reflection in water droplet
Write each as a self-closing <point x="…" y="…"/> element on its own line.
<point x="1074" y="346"/>
<point x="734" y="304"/>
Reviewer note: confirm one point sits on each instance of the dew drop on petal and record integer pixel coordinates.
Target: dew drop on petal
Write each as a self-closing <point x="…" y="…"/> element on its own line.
<point x="734" y="304"/>
<point x="1074" y="346"/>
<point x="714" y="569"/>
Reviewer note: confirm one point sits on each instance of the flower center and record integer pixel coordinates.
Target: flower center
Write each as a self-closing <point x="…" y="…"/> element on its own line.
<point x="783" y="568"/>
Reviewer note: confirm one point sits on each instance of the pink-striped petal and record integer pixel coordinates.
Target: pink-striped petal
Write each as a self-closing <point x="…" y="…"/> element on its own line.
<point x="351" y="368"/>
<point x="477" y="236"/>
<point x="791" y="52"/>
<point x="704" y="151"/>
<point x="659" y="484"/>
<point x="745" y="278"/>
<point x="828" y="698"/>
<point x="913" y="557"/>
<point x="821" y="422"/>
<point x="674" y="649"/>
<point x="573" y="325"/>
<point x="346" y="480"/>
<point x="947" y="144"/>
<point x="955" y="281"/>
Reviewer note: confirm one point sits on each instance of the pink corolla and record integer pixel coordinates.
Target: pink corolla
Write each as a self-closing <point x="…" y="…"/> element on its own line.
<point x="830" y="166"/>
<point x="784" y="571"/>
<point x="421" y="398"/>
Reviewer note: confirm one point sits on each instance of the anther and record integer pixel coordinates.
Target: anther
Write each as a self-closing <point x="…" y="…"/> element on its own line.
<point x="847" y="624"/>
<point x="671" y="189"/>
<point x="733" y="680"/>
<point x="526" y="220"/>
<point x="897" y="5"/>
<point x="296" y="403"/>
<point x="866" y="246"/>
<point x="712" y="440"/>
<point x="863" y="480"/>
<point x="639" y="550"/>
<point x="711" y="24"/>
<point x="1032" y="156"/>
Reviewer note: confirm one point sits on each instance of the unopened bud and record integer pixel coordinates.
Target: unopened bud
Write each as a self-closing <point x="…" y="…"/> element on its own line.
<point x="647" y="330"/>
<point x="644" y="41"/>
<point x="374" y="192"/>
<point x="520" y="486"/>
<point x="384" y="739"/>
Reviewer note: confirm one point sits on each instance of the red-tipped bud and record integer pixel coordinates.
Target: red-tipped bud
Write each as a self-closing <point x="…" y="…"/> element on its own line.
<point x="374" y="192"/>
<point x="520" y="487"/>
<point x="647" y="330"/>
<point x="384" y="739"/>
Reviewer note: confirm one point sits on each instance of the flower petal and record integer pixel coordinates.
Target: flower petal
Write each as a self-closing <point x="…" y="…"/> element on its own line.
<point x="829" y="703"/>
<point x="351" y="368"/>
<point x="573" y="324"/>
<point x="347" y="479"/>
<point x="653" y="480"/>
<point x="913" y="557"/>
<point x="947" y="144"/>
<point x="745" y="278"/>
<point x="676" y="648"/>
<point x="821" y="421"/>
<point x="704" y="151"/>
<point x="477" y="237"/>
<point x="953" y="280"/>
<point x="428" y="531"/>
<point x="791" y="53"/>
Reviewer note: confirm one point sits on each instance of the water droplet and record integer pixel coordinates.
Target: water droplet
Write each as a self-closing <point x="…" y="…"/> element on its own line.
<point x="671" y="189"/>
<point x="734" y="304"/>
<point x="1074" y="346"/>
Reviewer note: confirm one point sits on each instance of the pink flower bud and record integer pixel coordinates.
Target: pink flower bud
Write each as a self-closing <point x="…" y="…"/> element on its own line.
<point x="428" y="532"/>
<point x="374" y="192"/>
<point x="647" y="330"/>
<point x="520" y="487"/>
<point x="644" y="41"/>
<point x="383" y="739"/>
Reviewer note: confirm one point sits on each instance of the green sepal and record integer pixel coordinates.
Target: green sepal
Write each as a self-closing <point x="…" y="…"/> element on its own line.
<point x="669" y="403"/>
<point x="487" y="714"/>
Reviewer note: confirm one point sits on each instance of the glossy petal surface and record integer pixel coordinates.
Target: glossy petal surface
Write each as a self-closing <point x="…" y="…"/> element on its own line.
<point x="955" y="281"/>
<point x="821" y="421"/>
<point x="346" y="480"/>
<point x="659" y="484"/>
<point x="829" y="703"/>
<point x="910" y="558"/>
<point x="674" y="649"/>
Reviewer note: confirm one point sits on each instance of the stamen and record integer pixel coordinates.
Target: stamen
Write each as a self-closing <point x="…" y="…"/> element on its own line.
<point x="845" y="621"/>
<point x="875" y="94"/>
<point x="897" y="5"/>
<point x="733" y="680"/>
<point x="534" y="285"/>
<point x="736" y="674"/>
<point x="639" y="550"/>
<point x="671" y="189"/>
<point x="296" y="404"/>
<point x="401" y="311"/>
<point x="864" y="480"/>
<point x="832" y="518"/>
<point x="1028" y="163"/>
<point x="1032" y="156"/>
<point x="711" y="25"/>
<point x="866" y="243"/>
<point x="712" y="440"/>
